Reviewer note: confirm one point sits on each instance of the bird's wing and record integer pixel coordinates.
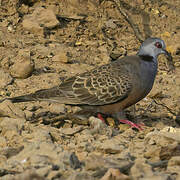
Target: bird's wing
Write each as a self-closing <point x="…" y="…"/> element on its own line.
<point x="103" y="85"/>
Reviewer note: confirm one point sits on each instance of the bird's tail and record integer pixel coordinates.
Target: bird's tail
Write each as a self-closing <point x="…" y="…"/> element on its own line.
<point x="40" y="95"/>
<point x="19" y="99"/>
<point x="24" y="98"/>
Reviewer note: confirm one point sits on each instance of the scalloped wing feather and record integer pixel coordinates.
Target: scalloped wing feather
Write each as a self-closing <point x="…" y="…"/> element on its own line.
<point x="103" y="85"/>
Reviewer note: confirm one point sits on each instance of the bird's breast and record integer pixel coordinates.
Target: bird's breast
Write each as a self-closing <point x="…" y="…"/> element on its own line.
<point x="147" y="75"/>
<point x="142" y="80"/>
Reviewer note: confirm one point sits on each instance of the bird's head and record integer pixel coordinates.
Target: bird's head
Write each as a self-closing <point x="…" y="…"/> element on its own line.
<point x="154" y="47"/>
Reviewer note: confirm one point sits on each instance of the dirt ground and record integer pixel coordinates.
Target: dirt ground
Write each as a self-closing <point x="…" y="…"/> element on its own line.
<point x="44" y="42"/>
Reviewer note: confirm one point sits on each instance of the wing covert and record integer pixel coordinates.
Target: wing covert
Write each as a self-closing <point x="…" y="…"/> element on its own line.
<point x="104" y="85"/>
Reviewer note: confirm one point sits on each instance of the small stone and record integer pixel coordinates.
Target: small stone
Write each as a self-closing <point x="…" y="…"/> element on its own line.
<point x="155" y="11"/>
<point x="80" y="176"/>
<point x="174" y="165"/>
<point x="114" y="174"/>
<point x="28" y="175"/>
<point x="123" y="127"/>
<point x="56" y="108"/>
<point x="10" y="28"/>
<point x="78" y="43"/>
<point x="170" y="129"/>
<point x="171" y="49"/>
<point x="8" y="109"/>
<point x="111" y="121"/>
<point x="110" y="24"/>
<point x="11" y="124"/>
<point x="166" y="34"/>
<point x="60" y="57"/>
<point x="55" y="167"/>
<point x="3" y="160"/>
<point x="94" y="162"/>
<point x="177" y="64"/>
<point x="141" y="169"/>
<point x="11" y="135"/>
<point x="2" y="93"/>
<point x="11" y="151"/>
<point x="28" y="114"/>
<point x="111" y="146"/>
<point x="23" y="9"/>
<point x="43" y="171"/>
<point x="170" y="150"/>
<point x="3" y="142"/>
<point x="115" y="55"/>
<point x="54" y="175"/>
<point x="74" y="161"/>
<point x="81" y="155"/>
<point x="142" y="6"/>
<point x="96" y="124"/>
<point x="71" y="131"/>
<point x="5" y="62"/>
<point x="5" y="79"/>
<point x="32" y="26"/>
<point x="164" y="7"/>
<point x="23" y="65"/>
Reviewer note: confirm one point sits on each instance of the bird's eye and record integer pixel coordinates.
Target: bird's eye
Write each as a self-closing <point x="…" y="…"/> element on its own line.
<point x="158" y="45"/>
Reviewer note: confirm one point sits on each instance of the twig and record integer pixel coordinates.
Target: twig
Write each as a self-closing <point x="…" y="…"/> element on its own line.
<point x="128" y="19"/>
<point x="158" y="103"/>
<point x="161" y="164"/>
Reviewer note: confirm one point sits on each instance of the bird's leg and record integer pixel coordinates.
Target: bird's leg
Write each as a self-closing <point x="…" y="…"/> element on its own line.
<point x="122" y="118"/>
<point x="101" y="118"/>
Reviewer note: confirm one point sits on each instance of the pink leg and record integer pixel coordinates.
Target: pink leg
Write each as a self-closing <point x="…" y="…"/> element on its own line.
<point x="133" y="125"/>
<point x="101" y="118"/>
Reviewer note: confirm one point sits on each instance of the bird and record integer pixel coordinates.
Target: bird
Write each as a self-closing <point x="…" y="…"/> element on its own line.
<point x="110" y="88"/>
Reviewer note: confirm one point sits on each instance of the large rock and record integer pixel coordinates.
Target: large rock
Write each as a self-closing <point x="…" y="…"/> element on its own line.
<point x="39" y="19"/>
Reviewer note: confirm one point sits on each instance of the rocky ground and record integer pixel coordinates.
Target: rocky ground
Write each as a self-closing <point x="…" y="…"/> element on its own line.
<point x="44" y="42"/>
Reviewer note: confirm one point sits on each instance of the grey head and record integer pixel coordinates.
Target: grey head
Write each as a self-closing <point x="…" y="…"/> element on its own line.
<point x="153" y="47"/>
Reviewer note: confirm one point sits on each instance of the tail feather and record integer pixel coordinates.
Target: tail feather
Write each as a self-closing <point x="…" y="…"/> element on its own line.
<point x="18" y="99"/>
<point x="40" y="95"/>
<point x="24" y="98"/>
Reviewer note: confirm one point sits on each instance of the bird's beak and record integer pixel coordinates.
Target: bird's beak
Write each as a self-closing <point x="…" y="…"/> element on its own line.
<point x="170" y="60"/>
<point x="168" y="55"/>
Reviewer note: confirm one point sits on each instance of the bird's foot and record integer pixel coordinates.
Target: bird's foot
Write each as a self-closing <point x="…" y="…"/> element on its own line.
<point x="133" y="125"/>
<point x="101" y="118"/>
<point x="125" y="121"/>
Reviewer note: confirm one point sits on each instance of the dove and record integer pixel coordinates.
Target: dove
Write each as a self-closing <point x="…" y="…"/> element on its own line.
<point x="110" y="88"/>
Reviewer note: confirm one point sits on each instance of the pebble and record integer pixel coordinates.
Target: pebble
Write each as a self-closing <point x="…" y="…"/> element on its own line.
<point x="23" y="65"/>
<point x="5" y="79"/>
